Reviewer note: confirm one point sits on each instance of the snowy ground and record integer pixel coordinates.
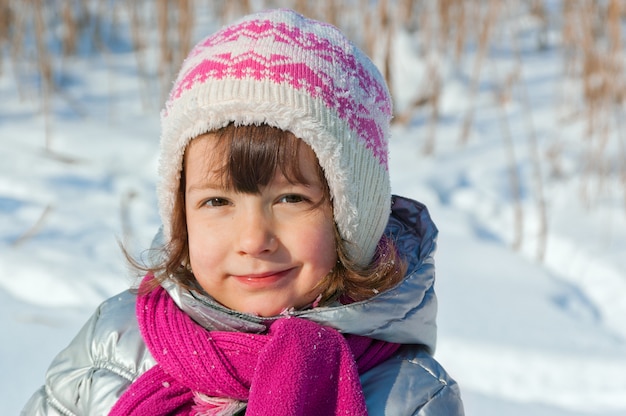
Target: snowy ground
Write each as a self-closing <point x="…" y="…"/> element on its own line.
<point x="522" y="337"/>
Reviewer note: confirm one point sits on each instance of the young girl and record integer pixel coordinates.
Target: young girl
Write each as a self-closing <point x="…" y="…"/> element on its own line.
<point x="287" y="280"/>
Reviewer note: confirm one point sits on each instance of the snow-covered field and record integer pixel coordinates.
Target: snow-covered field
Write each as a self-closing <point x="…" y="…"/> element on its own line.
<point x="522" y="336"/>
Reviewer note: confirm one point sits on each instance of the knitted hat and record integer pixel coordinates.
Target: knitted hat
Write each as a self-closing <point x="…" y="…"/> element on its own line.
<point x="284" y="70"/>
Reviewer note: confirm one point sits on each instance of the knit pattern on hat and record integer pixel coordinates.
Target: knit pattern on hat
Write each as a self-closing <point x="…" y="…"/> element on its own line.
<point x="296" y="74"/>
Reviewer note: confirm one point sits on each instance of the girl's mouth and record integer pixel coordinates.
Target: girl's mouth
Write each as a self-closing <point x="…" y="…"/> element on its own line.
<point x="262" y="279"/>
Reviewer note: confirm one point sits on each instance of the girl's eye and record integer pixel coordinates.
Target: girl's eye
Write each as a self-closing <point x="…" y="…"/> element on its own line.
<point x="291" y="199"/>
<point x="215" y="202"/>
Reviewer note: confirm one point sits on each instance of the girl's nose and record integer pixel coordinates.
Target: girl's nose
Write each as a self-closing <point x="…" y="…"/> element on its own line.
<point x="256" y="233"/>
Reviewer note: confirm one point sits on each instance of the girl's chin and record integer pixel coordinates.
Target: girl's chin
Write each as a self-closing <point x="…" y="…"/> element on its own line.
<point x="267" y="313"/>
<point x="269" y="307"/>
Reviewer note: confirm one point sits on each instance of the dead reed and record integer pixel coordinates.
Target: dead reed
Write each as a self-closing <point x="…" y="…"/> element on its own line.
<point x="44" y="66"/>
<point x="174" y="23"/>
<point x="592" y="36"/>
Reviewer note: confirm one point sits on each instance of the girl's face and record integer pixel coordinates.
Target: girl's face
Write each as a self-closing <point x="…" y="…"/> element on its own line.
<point x="258" y="253"/>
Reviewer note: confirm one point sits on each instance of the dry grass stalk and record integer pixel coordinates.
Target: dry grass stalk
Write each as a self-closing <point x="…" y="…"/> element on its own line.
<point x="616" y="10"/>
<point x="407" y="14"/>
<point x="174" y="24"/>
<point x="125" y="215"/>
<point x="535" y="158"/>
<point x="34" y="229"/>
<point x="452" y="17"/>
<point x="621" y="136"/>
<point x="596" y="57"/>
<point x="137" y="33"/>
<point x="435" y="87"/>
<point x="369" y="35"/>
<point x="539" y="12"/>
<point x="44" y="63"/>
<point x="303" y="6"/>
<point x="332" y="11"/>
<point x="6" y="19"/>
<point x="231" y="9"/>
<point x="69" y="37"/>
<point x="439" y="27"/>
<point x="105" y="10"/>
<point x="486" y="23"/>
<point x="17" y="44"/>
<point x="503" y="94"/>
<point x="387" y="32"/>
<point x="185" y="26"/>
<point x="514" y="81"/>
<point x="514" y="181"/>
<point x="541" y="206"/>
<point x="166" y="54"/>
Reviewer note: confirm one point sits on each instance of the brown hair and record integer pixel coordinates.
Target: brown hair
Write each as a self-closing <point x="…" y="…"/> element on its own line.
<point x="253" y="154"/>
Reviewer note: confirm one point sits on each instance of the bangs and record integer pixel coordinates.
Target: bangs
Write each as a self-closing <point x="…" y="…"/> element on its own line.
<point x="254" y="154"/>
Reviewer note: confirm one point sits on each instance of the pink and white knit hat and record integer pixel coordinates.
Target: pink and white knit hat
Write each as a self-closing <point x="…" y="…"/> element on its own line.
<point x="300" y="75"/>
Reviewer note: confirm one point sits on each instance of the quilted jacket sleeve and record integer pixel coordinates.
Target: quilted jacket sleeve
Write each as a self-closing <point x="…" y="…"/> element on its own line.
<point x="412" y="383"/>
<point x="446" y="402"/>
<point x="88" y="376"/>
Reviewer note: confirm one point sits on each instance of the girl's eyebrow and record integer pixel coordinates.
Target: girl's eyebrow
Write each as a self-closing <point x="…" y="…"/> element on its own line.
<point x="205" y="185"/>
<point x="282" y="180"/>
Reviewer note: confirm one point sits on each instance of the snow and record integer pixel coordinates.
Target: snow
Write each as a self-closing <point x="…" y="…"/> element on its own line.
<point x="521" y="335"/>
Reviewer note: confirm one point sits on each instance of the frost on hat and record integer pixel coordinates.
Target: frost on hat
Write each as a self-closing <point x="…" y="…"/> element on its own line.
<point x="282" y="69"/>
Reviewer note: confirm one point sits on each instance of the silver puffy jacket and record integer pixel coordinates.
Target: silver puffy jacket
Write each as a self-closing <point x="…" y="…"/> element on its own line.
<point x="108" y="354"/>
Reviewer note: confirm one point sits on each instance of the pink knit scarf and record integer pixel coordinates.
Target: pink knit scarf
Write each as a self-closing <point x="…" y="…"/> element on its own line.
<point x="298" y="368"/>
